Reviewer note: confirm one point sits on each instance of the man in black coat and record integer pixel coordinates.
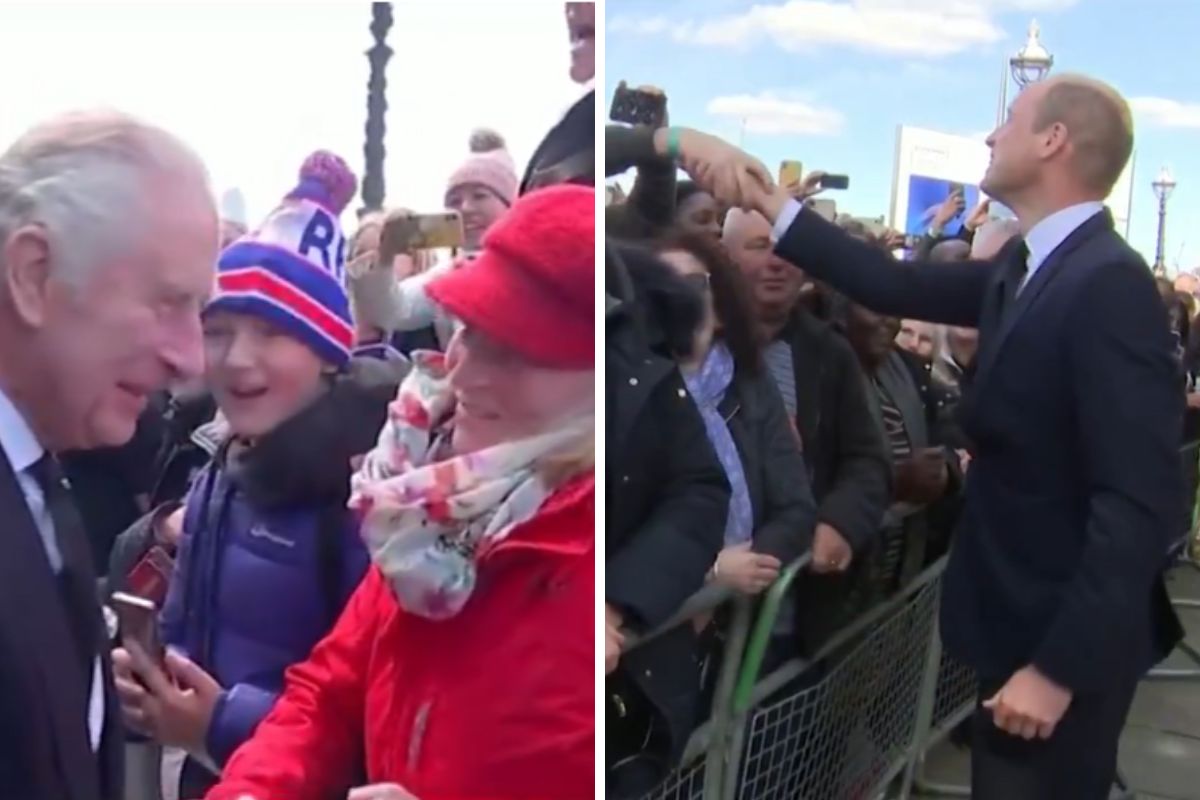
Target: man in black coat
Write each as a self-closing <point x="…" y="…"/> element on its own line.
<point x="88" y="331"/>
<point x="1054" y="591"/>
<point x="663" y="489"/>
<point x="824" y="389"/>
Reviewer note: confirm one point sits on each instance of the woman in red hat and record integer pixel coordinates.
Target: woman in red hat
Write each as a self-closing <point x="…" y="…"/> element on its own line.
<point x="464" y="665"/>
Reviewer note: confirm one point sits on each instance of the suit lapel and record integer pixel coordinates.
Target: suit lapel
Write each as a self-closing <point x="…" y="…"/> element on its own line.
<point x="34" y="609"/>
<point x="1004" y="319"/>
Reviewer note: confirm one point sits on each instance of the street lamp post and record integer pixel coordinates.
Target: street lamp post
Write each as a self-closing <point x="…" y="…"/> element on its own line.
<point x="1163" y="185"/>
<point x="373" y="190"/>
<point x="1028" y="65"/>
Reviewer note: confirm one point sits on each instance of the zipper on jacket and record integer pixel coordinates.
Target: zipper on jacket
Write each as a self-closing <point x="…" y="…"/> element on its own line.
<point x="417" y="735"/>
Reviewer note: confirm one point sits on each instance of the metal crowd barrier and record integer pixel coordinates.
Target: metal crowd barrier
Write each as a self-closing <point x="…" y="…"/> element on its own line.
<point x="1183" y="556"/>
<point x="853" y="722"/>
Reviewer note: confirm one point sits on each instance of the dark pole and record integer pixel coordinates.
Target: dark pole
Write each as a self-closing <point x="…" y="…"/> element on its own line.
<point x="374" y="151"/>
<point x="1160" y="264"/>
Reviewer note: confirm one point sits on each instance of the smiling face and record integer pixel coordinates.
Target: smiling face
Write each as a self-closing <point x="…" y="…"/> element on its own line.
<point x="775" y="284"/>
<point x="259" y="375"/>
<point x="581" y="29"/>
<point x="101" y="343"/>
<point x="480" y="208"/>
<point x="501" y="396"/>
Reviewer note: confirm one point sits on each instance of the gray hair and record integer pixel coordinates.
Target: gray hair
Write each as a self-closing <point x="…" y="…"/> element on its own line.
<point x="992" y="236"/>
<point x="83" y="178"/>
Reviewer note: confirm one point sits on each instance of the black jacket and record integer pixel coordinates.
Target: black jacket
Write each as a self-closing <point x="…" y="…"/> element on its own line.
<point x="663" y="488"/>
<point x="1074" y="413"/>
<point x="784" y="510"/>
<point x="844" y="451"/>
<point x="45" y="686"/>
<point x="567" y="153"/>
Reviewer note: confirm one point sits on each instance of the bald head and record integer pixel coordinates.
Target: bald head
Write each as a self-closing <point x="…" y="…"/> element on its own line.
<point x="1098" y="123"/>
<point x="742" y="225"/>
<point x="992" y="236"/>
<point x="950" y="250"/>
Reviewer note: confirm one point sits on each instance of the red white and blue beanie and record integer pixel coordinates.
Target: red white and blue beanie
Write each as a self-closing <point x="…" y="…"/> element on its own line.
<point x="291" y="270"/>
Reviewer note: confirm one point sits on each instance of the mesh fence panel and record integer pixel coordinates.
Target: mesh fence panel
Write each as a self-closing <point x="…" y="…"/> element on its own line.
<point x="683" y="784"/>
<point x="956" y="689"/>
<point x="835" y="736"/>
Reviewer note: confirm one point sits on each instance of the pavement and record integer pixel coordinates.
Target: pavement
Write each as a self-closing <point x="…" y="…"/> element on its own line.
<point x="1160" y="747"/>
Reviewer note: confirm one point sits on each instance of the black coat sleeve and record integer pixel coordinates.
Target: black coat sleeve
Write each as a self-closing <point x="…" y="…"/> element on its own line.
<point x="951" y="294"/>
<point x="861" y="487"/>
<point x="1129" y="411"/>
<point x="787" y="528"/>
<point x="627" y="147"/>
<point x="667" y="558"/>
<point x="653" y="194"/>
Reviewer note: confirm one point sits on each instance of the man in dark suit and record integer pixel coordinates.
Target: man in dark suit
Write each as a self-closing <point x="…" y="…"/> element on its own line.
<point x="1054" y="591"/>
<point x="108" y="237"/>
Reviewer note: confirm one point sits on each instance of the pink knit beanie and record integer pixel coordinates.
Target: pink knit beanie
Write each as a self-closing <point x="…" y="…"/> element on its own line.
<point x="489" y="165"/>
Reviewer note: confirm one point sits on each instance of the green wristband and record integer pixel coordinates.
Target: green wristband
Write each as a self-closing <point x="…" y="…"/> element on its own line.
<point x="673" y="135"/>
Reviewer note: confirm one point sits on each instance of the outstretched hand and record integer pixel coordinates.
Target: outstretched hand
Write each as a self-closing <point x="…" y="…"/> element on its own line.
<point x="732" y="176"/>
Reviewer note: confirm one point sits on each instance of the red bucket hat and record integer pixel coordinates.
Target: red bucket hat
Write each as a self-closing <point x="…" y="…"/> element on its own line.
<point x="533" y="287"/>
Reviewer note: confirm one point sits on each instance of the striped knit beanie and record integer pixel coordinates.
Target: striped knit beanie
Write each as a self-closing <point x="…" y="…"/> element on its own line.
<point x="291" y="270"/>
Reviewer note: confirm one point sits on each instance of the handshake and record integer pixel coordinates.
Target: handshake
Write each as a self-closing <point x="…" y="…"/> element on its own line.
<point x="730" y="175"/>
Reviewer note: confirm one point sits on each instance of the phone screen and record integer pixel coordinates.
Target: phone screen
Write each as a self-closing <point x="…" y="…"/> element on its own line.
<point x="646" y="106"/>
<point x="408" y="233"/>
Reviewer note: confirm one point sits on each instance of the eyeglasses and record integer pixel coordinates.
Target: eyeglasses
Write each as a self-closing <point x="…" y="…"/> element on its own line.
<point x="699" y="281"/>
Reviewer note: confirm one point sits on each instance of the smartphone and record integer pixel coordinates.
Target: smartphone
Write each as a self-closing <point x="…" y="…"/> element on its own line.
<point x="835" y="182"/>
<point x="407" y="233"/>
<point x="912" y="241"/>
<point x="790" y="172"/>
<point x="151" y="576"/>
<point x="958" y="189"/>
<point x="646" y="105"/>
<point x="138" y="617"/>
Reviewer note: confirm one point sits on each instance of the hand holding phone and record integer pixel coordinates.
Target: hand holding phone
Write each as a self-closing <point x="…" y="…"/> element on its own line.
<point x="841" y="182"/>
<point x="139" y="627"/>
<point x="645" y="105"/>
<point x="405" y="233"/>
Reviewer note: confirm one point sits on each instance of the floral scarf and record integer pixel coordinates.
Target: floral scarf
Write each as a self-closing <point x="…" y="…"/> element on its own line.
<point x="428" y="515"/>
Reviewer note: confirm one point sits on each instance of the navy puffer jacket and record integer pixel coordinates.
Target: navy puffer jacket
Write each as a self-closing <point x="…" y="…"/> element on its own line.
<point x="270" y="553"/>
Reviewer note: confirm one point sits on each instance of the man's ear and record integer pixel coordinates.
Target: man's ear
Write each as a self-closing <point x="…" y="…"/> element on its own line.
<point x="26" y="274"/>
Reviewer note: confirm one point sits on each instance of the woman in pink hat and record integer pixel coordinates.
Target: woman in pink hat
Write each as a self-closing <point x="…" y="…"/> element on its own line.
<point x="464" y="665"/>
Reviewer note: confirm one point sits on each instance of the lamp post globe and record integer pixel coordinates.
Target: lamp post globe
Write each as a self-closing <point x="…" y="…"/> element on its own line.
<point x="1163" y="186"/>
<point x="1032" y="62"/>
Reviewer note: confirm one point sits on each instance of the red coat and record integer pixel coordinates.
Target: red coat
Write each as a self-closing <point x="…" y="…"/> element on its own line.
<point x="497" y="703"/>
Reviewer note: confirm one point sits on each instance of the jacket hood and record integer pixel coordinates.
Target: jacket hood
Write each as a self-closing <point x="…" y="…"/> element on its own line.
<point x="306" y="459"/>
<point x="666" y="309"/>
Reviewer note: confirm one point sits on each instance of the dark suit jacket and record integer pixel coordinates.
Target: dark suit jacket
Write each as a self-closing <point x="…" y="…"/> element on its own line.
<point x="45" y="752"/>
<point x="1075" y="411"/>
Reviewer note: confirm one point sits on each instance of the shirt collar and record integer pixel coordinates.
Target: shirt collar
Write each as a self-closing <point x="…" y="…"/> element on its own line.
<point x="1048" y="234"/>
<point x="17" y="438"/>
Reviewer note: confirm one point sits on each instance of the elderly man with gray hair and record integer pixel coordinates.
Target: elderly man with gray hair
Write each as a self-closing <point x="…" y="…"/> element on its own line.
<point x="108" y="238"/>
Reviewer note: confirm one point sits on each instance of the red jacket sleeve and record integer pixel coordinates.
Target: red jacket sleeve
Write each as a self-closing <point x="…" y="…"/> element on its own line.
<point x="310" y="746"/>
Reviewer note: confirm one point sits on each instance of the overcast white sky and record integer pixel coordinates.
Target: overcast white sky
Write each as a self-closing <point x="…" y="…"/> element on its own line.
<point x="256" y="86"/>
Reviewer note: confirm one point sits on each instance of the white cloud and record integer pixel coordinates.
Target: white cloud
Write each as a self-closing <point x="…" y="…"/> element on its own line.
<point x="770" y="114"/>
<point x="912" y="28"/>
<point x="1161" y="112"/>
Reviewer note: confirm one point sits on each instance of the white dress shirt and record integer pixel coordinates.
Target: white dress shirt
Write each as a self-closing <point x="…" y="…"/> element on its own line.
<point x="1045" y="237"/>
<point x="22" y="449"/>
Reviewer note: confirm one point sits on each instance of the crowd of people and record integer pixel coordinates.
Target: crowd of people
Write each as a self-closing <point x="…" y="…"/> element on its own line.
<point x="778" y="384"/>
<point x="354" y="487"/>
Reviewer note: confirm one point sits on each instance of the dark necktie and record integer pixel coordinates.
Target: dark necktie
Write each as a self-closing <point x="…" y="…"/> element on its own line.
<point x="1016" y="267"/>
<point x="76" y="584"/>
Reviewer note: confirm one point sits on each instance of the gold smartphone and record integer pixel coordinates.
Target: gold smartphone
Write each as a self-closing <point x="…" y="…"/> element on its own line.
<point x="790" y="173"/>
<point x="404" y="232"/>
<point x="139" y="625"/>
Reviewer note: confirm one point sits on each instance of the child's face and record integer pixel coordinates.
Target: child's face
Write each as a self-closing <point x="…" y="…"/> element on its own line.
<point x="259" y="375"/>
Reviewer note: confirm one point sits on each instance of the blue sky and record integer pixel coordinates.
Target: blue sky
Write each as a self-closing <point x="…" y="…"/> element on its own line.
<point x="827" y="81"/>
